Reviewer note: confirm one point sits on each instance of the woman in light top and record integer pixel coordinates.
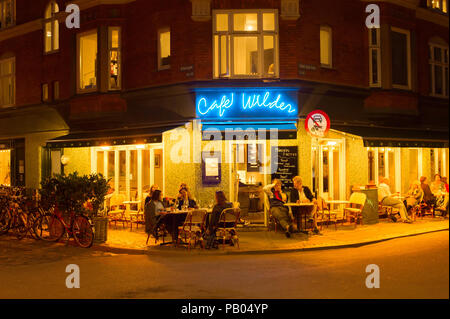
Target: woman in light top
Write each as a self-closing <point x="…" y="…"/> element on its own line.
<point x="437" y="187"/>
<point x="152" y="212"/>
<point x="415" y="193"/>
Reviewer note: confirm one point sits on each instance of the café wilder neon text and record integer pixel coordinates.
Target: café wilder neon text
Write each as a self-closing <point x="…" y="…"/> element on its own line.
<point x="245" y="102"/>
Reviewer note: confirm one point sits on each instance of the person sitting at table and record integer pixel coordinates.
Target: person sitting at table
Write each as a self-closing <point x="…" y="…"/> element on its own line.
<point x="413" y="196"/>
<point x="183" y="186"/>
<point x="302" y="194"/>
<point x="428" y="196"/>
<point x="152" y="189"/>
<point x="152" y="213"/>
<point x="444" y="180"/>
<point x="438" y="189"/>
<point x="185" y="200"/>
<point x="386" y="199"/>
<point x="277" y="199"/>
<point x="219" y="207"/>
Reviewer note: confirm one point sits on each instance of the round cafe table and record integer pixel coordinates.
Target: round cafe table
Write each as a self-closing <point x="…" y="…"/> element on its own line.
<point x="172" y="220"/>
<point x="298" y="214"/>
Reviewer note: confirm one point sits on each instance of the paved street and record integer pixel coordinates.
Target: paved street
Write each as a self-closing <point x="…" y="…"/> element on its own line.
<point x="412" y="267"/>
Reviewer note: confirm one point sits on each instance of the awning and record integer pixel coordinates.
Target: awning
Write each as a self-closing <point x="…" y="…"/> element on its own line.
<point x="396" y="137"/>
<point x="249" y="131"/>
<point x="111" y="137"/>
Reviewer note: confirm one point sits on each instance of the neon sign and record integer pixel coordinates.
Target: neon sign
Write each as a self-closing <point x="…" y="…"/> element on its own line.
<point x="238" y="103"/>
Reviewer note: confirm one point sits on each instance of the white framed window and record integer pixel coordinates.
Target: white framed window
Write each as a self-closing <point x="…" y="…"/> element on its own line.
<point x="115" y="65"/>
<point x="7" y="82"/>
<point x="440" y="5"/>
<point x="164" y="49"/>
<point x="374" y="58"/>
<point x="245" y="44"/>
<point x="326" y="46"/>
<point x="401" y="58"/>
<point x="87" y="48"/>
<point x="51" y="28"/>
<point x="7" y="13"/>
<point x="45" y="92"/>
<point x="438" y="59"/>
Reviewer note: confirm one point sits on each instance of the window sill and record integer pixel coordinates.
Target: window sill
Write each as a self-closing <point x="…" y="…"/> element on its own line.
<point x="163" y="67"/>
<point x="401" y="87"/>
<point x="327" y="67"/>
<point x="85" y="91"/>
<point x="51" y="52"/>
<point x="439" y="96"/>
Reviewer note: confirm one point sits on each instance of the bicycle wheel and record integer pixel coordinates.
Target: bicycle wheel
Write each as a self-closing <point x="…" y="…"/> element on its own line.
<point x="49" y="228"/>
<point x="82" y="231"/>
<point x="20" y="228"/>
<point x="5" y="222"/>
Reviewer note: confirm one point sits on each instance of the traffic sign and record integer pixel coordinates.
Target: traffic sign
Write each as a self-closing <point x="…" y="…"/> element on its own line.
<point x="317" y="123"/>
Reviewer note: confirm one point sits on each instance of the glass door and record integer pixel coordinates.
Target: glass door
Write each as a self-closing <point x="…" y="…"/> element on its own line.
<point x="5" y="168"/>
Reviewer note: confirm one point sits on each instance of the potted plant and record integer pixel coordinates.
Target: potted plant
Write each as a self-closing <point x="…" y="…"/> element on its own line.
<point x="98" y="188"/>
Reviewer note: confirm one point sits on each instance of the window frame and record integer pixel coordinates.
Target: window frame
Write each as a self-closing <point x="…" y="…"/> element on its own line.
<point x="119" y="57"/>
<point x="12" y="75"/>
<point x="375" y="47"/>
<point x="329" y="29"/>
<point x="408" y="55"/>
<point x="53" y="18"/>
<point x="441" y="6"/>
<point x="2" y="18"/>
<point x="443" y="65"/>
<point x="78" y="57"/>
<point x="160" y="31"/>
<point x="230" y="34"/>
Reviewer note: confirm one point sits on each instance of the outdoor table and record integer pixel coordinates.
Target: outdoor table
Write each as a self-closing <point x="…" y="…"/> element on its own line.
<point x="298" y="214"/>
<point x="131" y="202"/>
<point x="172" y="220"/>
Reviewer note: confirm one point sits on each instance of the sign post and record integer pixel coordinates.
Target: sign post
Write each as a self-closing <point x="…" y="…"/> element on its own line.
<point x="317" y="124"/>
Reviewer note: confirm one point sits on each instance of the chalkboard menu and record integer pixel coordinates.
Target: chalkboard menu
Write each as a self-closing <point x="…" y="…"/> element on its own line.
<point x="285" y="164"/>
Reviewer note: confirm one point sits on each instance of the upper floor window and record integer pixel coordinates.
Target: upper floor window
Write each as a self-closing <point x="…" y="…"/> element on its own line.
<point x="438" y="56"/>
<point x="245" y="43"/>
<point x="374" y="57"/>
<point x="164" y="49"/>
<point x="441" y="5"/>
<point x="114" y="47"/>
<point x="87" y="61"/>
<point x="7" y="13"/>
<point x="401" y="58"/>
<point x="326" y="46"/>
<point x="7" y="82"/>
<point x="51" y="28"/>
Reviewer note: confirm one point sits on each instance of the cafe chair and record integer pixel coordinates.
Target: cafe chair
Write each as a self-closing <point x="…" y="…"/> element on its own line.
<point x="325" y="214"/>
<point x="272" y="220"/>
<point x="193" y="228"/>
<point x="226" y="229"/>
<point x="443" y="209"/>
<point x="160" y="231"/>
<point x="356" y="205"/>
<point x="116" y="209"/>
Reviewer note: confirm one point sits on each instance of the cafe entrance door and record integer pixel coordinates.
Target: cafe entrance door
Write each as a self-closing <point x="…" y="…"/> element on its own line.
<point x="328" y="159"/>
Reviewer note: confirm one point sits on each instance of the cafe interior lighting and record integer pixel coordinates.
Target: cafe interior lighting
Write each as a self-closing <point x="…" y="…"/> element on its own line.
<point x="140" y="146"/>
<point x="106" y="148"/>
<point x="331" y="143"/>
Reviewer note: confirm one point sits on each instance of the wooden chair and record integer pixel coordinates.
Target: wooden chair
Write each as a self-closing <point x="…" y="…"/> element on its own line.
<point x="116" y="209"/>
<point x="193" y="227"/>
<point x="272" y="220"/>
<point x="356" y="205"/>
<point x="159" y="232"/>
<point x="443" y="209"/>
<point x="329" y="215"/>
<point x="226" y="229"/>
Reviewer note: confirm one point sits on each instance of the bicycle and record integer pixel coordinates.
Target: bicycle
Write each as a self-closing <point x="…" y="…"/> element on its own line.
<point x="53" y="226"/>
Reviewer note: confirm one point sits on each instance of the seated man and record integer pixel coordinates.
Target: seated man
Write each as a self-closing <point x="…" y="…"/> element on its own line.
<point x="302" y="194"/>
<point x="386" y="199"/>
<point x="277" y="199"/>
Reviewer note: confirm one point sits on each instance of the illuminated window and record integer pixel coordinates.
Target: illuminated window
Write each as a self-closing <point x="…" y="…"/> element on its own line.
<point x="401" y="58"/>
<point x="441" y="5"/>
<point x="7" y="82"/>
<point x="5" y="167"/>
<point x="438" y="55"/>
<point x="326" y="46"/>
<point x="245" y="43"/>
<point x="44" y="92"/>
<point x="163" y="49"/>
<point x="87" y="61"/>
<point x="374" y="57"/>
<point x="114" y="45"/>
<point x="7" y="13"/>
<point x="51" y="28"/>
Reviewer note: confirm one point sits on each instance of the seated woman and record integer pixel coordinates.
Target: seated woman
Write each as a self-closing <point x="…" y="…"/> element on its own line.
<point x="184" y="199"/>
<point x="413" y="196"/>
<point x="438" y="189"/>
<point x="152" y="189"/>
<point x="152" y="213"/>
<point x="277" y="199"/>
<point x="221" y="205"/>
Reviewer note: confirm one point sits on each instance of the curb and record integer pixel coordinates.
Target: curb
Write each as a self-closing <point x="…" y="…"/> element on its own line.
<point x="131" y="251"/>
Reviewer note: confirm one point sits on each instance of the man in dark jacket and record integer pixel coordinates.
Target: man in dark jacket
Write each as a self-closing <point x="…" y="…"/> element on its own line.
<point x="302" y="194"/>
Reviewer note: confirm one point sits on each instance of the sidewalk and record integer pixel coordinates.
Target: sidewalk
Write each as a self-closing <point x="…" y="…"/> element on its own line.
<point x="263" y="241"/>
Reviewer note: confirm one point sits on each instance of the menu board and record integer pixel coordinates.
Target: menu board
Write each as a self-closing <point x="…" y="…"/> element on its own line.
<point x="285" y="164"/>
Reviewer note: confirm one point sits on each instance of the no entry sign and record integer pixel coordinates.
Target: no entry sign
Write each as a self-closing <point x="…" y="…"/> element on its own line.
<point x="317" y="123"/>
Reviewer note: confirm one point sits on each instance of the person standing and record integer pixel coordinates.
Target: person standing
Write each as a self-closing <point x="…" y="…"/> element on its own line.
<point x="302" y="194"/>
<point x="277" y="199"/>
<point x="386" y="199"/>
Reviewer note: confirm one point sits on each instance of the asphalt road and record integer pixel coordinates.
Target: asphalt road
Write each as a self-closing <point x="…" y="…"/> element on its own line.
<point x="412" y="267"/>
